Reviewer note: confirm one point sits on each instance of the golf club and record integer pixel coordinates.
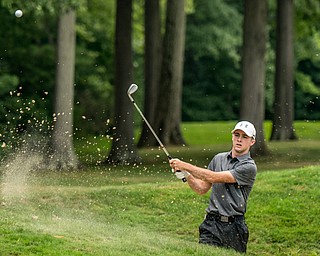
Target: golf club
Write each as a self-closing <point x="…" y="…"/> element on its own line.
<point x="132" y="89"/>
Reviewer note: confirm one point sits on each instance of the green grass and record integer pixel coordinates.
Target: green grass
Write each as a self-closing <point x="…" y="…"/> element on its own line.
<point x="144" y="210"/>
<point x="203" y="140"/>
<point x="207" y="133"/>
<point x="283" y="213"/>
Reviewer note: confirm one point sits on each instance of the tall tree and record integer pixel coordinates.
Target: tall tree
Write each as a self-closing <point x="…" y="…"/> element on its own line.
<point x="123" y="149"/>
<point x="283" y="116"/>
<point x="62" y="138"/>
<point x="253" y="68"/>
<point x="152" y="57"/>
<point x="212" y="61"/>
<point x="168" y="108"/>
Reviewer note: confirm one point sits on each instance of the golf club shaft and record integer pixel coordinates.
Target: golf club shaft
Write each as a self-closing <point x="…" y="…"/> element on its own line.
<point x="131" y="90"/>
<point x="153" y="132"/>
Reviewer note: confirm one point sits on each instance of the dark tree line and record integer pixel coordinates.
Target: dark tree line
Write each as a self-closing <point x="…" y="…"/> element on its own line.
<point x="207" y="64"/>
<point x="164" y="111"/>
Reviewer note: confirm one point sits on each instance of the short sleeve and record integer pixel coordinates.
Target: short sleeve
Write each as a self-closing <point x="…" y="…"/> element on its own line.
<point x="245" y="173"/>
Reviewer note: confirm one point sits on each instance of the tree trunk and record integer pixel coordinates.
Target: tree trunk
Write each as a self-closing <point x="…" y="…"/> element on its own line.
<point x="123" y="149"/>
<point x="283" y="117"/>
<point x="253" y="69"/>
<point x="152" y="67"/>
<point x="168" y="113"/>
<point x="62" y="137"/>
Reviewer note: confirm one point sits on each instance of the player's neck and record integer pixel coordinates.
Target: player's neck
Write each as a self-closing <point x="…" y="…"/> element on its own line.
<point x="236" y="153"/>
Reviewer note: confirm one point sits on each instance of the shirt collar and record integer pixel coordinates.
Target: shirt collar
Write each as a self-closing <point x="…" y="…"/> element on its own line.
<point x="239" y="158"/>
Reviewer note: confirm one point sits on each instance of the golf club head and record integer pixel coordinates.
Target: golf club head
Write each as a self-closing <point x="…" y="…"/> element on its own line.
<point x="132" y="89"/>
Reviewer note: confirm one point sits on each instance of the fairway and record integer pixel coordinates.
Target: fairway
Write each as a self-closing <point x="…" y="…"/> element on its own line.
<point x="144" y="210"/>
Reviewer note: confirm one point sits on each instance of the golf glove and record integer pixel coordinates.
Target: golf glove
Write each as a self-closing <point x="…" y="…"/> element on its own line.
<point x="182" y="175"/>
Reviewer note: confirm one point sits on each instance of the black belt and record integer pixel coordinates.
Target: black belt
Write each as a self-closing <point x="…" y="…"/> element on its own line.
<point x="223" y="218"/>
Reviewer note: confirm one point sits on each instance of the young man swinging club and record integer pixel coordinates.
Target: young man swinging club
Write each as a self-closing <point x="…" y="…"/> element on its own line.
<point x="231" y="176"/>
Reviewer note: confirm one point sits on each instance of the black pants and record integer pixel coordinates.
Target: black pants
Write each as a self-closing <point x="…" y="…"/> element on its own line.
<point x="232" y="234"/>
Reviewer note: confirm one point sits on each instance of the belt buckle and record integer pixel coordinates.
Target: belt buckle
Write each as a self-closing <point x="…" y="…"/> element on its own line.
<point x="224" y="218"/>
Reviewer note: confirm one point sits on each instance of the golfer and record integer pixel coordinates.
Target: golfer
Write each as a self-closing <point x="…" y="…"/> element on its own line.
<point x="231" y="176"/>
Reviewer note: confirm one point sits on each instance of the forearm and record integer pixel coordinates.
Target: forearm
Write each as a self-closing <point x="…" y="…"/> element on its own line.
<point x="203" y="174"/>
<point x="198" y="172"/>
<point x="199" y="186"/>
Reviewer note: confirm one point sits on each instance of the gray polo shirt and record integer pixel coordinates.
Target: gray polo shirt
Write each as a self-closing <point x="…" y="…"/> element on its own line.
<point x="231" y="198"/>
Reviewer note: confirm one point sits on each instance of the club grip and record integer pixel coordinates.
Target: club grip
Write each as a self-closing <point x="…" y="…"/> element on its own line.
<point x="183" y="179"/>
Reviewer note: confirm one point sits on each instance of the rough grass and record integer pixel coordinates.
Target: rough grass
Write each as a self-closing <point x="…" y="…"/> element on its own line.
<point x="283" y="213"/>
<point x="60" y="214"/>
<point x="144" y="210"/>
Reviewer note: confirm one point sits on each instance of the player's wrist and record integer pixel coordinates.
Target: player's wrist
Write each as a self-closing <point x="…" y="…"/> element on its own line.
<point x="186" y="174"/>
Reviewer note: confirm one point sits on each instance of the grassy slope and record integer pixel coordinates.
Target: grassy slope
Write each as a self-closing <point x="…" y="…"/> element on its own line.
<point x="283" y="213"/>
<point x="143" y="210"/>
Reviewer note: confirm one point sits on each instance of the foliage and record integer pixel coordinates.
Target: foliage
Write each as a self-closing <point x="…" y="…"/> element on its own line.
<point x="213" y="39"/>
<point x="40" y="6"/>
<point x="307" y="50"/>
<point x="308" y="90"/>
<point x="212" y="71"/>
<point x="28" y="53"/>
<point x="23" y="55"/>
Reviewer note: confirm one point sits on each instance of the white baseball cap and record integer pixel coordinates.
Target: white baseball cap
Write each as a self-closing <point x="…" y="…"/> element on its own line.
<point x="246" y="127"/>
